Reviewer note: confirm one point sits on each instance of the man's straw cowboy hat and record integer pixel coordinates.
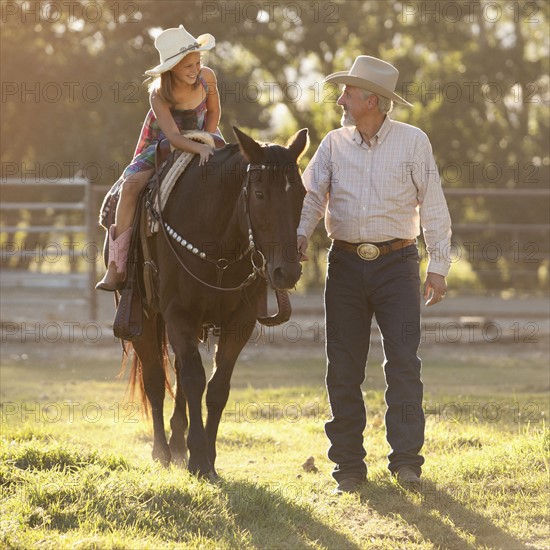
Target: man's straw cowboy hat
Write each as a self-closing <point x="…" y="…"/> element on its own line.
<point x="372" y="74"/>
<point x="174" y="44"/>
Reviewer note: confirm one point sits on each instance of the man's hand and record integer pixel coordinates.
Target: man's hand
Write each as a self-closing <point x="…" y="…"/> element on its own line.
<point x="302" y="248"/>
<point x="435" y="288"/>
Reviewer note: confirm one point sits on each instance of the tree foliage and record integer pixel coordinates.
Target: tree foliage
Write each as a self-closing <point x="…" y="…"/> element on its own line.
<point x="73" y="97"/>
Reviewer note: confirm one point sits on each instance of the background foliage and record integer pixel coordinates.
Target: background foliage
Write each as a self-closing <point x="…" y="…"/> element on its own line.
<point x="477" y="73"/>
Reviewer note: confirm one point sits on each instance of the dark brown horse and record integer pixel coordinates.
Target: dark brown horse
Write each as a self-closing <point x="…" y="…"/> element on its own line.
<point x="227" y="231"/>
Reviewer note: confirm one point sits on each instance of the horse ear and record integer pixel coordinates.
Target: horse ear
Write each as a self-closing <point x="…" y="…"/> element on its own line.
<point x="298" y="143"/>
<point x="251" y="149"/>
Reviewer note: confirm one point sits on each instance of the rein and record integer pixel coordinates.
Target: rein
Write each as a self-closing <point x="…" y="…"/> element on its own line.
<point x="222" y="264"/>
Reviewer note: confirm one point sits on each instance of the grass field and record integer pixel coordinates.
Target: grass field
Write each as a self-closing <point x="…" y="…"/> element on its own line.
<point x="76" y="472"/>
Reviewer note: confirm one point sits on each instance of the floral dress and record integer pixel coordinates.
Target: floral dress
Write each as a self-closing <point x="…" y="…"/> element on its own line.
<point x="151" y="134"/>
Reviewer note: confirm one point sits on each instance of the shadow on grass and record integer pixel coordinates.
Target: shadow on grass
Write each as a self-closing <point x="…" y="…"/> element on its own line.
<point x="440" y="517"/>
<point x="275" y="519"/>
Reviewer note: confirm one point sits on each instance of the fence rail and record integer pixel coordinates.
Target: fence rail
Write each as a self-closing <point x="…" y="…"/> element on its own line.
<point x="41" y="193"/>
<point x="82" y="205"/>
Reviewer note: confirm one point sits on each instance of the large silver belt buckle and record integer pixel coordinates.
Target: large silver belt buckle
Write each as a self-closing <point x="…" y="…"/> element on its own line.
<point x="368" y="251"/>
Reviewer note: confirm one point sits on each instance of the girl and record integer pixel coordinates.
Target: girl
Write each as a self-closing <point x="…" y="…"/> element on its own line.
<point x="182" y="91"/>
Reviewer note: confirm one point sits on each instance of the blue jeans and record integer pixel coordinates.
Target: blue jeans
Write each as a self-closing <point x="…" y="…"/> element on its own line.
<point x="389" y="288"/>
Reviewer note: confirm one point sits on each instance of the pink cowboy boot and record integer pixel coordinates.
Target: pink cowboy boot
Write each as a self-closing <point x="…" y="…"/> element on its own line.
<point x="118" y="257"/>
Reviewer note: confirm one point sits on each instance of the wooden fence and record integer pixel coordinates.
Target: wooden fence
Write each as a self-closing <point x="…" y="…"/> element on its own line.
<point x="43" y="220"/>
<point x="49" y="242"/>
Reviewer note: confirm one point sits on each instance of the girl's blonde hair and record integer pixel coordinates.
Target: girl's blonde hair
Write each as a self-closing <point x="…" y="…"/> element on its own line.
<point x="164" y="86"/>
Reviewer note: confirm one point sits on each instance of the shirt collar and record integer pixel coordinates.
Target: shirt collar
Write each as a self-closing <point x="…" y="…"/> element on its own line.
<point x="356" y="136"/>
<point x="378" y="137"/>
<point x="384" y="129"/>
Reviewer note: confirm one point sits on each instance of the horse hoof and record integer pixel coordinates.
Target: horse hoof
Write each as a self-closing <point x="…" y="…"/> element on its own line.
<point x="207" y="472"/>
<point x="180" y="454"/>
<point x="163" y="457"/>
<point x="180" y="459"/>
<point x="212" y="477"/>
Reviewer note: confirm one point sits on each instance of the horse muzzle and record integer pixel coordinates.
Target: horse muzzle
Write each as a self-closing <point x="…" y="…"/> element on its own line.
<point x="284" y="278"/>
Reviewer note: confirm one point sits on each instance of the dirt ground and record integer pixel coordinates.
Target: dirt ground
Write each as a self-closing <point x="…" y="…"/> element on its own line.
<point x="57" y="323"/>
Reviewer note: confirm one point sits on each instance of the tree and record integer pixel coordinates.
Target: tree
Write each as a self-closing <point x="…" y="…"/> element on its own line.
<point x="73" y="97"/>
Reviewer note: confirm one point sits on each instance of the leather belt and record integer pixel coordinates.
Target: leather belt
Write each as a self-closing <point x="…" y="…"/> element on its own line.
<point x="371" y="251"/>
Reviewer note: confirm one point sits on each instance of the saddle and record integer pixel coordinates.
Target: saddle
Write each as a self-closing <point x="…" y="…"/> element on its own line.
<point x="128" y="322"/>
<point x="140" y="292"/>
<point x="164" y="159"/>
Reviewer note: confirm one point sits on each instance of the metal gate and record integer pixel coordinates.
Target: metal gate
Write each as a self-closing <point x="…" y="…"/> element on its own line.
<point x="49" y="243"/>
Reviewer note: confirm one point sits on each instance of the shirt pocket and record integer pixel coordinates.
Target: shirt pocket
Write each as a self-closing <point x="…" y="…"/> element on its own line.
<point x="395" y="185"/>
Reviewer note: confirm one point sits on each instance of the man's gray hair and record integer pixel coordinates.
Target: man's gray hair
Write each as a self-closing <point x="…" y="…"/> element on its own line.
<point x="385" y="104"/>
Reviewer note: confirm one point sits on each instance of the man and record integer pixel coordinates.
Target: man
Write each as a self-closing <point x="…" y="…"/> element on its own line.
<point x="376" y="182"/>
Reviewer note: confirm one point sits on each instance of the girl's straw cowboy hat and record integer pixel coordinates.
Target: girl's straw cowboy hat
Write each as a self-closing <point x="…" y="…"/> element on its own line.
<point x="372" y="74"/>
<point x="174" y="44"/>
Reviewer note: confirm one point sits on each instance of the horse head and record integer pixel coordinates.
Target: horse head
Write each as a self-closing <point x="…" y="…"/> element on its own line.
<point x="273" y="195"/>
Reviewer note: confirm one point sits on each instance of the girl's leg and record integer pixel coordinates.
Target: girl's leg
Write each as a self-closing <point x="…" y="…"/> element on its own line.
<point x="129" y="195"/>
<point x="120" y="233"/>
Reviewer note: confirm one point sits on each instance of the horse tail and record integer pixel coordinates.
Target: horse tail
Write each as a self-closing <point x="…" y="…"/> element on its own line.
<point x="136" y="388"/>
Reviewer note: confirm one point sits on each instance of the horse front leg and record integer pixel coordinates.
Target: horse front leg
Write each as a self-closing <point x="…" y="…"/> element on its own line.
<point x="178" y="425"/>
<point x="233" y="336"/>
<point x="149" y="350"/>
<point x="192" y="379"/>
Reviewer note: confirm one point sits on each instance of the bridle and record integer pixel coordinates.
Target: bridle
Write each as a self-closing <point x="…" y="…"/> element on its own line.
<point x="257" y="259"/>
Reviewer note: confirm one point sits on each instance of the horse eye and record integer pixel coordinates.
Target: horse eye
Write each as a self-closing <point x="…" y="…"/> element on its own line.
<point x="259" y="195"/>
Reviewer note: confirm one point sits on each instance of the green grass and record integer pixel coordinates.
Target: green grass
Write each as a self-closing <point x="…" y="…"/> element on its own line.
<point x="75" y="467"/>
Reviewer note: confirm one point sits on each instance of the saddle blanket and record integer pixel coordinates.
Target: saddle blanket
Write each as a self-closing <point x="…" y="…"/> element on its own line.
<point x="108" y="207"/>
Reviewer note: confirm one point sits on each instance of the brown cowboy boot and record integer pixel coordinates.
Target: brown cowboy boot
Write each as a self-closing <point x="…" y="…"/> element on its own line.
<point x="118" y="257"/>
